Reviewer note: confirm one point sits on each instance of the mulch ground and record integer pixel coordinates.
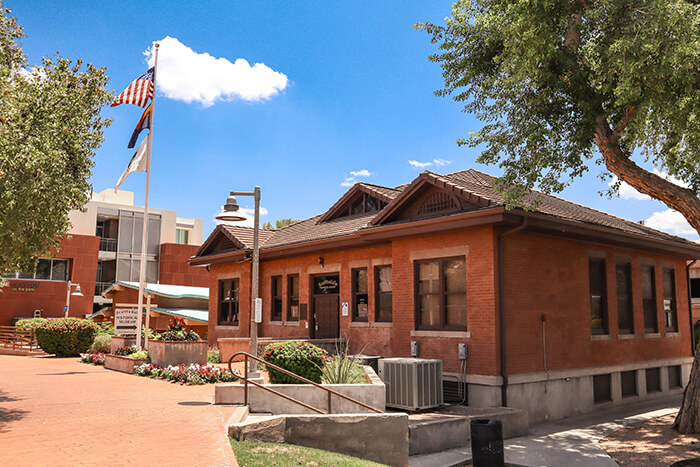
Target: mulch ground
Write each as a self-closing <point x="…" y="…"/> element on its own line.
<point x="650" y="443"/>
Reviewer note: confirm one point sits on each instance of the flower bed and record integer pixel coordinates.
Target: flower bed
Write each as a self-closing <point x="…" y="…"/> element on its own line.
<point x="123" y="363"/>
<point x="94" y="358"/>
<point x="192" y="374"/>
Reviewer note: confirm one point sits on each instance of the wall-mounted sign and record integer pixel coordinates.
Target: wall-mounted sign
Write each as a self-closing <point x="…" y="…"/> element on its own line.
<point x="324" y="285"/>
<point x="125" y="321"/>
<point x="344" y="309"/>
<point x="258" y="310"/>
<point x="24" y="286"/>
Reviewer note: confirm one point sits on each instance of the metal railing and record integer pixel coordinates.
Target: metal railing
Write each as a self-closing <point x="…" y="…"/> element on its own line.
<point x="14" y="338"/>
<point x="330" y="392"/>
<point x="100" y="287"/>
<point x="108" y="244"/>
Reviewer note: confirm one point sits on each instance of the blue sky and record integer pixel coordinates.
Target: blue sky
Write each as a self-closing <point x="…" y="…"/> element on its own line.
<point x="356" y="95"/>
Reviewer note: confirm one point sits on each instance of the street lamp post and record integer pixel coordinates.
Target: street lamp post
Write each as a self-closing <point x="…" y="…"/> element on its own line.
<point x="231" y="213"/>
<point x="77" y="293"/>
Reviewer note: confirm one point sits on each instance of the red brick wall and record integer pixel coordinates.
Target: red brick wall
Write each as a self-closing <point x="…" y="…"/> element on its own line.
<point x="543" y="275"/>
<point x="550" y="276"/>
<point x="175" y="270"/>
<point x="50" y="296"/>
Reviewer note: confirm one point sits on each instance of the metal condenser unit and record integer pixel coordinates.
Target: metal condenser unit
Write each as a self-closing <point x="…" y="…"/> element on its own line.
<point x="412" y="383"/>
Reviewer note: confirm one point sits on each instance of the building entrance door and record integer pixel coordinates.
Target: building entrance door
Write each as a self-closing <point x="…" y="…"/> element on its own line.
<point x="326" y="310"/>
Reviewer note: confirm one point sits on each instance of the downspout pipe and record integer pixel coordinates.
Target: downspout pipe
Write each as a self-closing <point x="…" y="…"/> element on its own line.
<point x="502" y="308"/>
<point x="690" y="306"/>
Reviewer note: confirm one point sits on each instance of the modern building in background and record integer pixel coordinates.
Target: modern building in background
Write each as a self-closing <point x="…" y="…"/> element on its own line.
<point x="102" y="247"/>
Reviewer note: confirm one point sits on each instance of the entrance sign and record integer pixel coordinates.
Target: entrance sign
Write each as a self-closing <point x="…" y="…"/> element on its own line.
<point x="126" y="321"/>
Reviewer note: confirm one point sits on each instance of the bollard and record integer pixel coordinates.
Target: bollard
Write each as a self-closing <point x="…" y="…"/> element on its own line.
<point x="487" y="443"/>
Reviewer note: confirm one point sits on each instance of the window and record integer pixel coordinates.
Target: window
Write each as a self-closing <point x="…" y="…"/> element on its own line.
<point x="649" y="299"/>
<point x="441" y="294"/>
<point x="653" y="380"/>
<point x="182" y="236"/>
<point x="359" y="295"/>
<point x="52" y="269"/>
<point x="669" y="279"/>
<point x="695" y="287"/>
<point x="293" y="297"/>
<point x="628" y="381"/>
<point x="364" y="203"/>
<point x="601" y="389"/>
<point x="276" y="294"/>
<point x="383" y="293"/>
<point x="437" y="202"/>
<point x="228" y="302"/>
<point x="625" y="313"/>
<point x="597" y="286"/>
<point x="674" y="376"/>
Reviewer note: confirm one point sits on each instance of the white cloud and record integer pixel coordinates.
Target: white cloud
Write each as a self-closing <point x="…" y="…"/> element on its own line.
<point x="441" y="162"/>
<point x="348" y="181"/>
<point x="361" y="173"/>
<point x="248" y="213"/>
<point x="670" y="221"/>
<point x="627" y="192"/>
<point x="435" y="162"/>
<point x="420" y="165"/>
<point x="188" y="76"/>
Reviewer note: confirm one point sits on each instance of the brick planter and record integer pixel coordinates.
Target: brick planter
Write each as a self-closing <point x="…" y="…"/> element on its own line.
<point x="120" y="342"/>
<point x="123" y="364"/>
<point x="165" y="353"/>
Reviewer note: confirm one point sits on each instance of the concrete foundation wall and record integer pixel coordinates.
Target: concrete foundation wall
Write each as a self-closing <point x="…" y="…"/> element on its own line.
<point x="378" y="437"/>
<point x="260" y="400"/>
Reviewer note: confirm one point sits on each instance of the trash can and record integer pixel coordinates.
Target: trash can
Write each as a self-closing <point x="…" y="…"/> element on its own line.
<point x="369" y="360"/>
<point x="487" y="443"/>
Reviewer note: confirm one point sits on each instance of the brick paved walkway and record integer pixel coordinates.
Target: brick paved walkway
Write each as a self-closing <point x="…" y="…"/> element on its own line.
<point x="58" y="411"/>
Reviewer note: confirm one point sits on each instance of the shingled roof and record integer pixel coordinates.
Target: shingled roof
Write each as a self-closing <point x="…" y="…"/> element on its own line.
<point x="472" y="185"/>
<point x="482" y="185"/>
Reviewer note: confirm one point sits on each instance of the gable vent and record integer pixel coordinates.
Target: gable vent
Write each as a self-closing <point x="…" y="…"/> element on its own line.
<point x="437" y="202"/>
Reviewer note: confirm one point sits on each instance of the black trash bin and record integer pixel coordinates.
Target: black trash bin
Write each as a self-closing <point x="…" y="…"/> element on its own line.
<point x="487" y="443"/>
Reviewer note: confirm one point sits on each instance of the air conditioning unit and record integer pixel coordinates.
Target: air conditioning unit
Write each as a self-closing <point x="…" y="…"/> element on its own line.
<point x="412" y="383"/>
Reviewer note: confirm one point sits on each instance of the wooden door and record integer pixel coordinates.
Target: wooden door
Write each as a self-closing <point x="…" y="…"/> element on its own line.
<point x="326" y="313"/>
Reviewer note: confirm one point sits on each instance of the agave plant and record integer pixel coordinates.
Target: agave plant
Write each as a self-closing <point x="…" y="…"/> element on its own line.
<point x="342" y="368"/>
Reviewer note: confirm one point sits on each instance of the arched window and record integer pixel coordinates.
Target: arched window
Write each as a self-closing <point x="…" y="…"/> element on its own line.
<point x="437" y="202"/>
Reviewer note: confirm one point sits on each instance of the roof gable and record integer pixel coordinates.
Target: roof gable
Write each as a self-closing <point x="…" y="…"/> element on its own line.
<point x="430" y="195"/>
<point x="376" y="195"/>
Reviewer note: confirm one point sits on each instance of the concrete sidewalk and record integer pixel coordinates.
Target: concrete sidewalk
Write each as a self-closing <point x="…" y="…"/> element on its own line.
<point x="568" y="442"/>
<point x="58" y="411"/>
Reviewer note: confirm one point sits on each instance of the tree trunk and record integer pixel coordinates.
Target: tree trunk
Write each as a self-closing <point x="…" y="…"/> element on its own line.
<point x="676" y="197"/>
<point x="688" y="419"/>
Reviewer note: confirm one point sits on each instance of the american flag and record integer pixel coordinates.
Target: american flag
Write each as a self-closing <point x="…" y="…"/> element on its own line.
<point x="138" y="92"/>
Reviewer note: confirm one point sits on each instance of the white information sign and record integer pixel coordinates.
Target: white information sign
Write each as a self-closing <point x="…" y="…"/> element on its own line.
<point x="125" y="321"/>
<point x="258" y="310"/>
<point x="344" y="309"/>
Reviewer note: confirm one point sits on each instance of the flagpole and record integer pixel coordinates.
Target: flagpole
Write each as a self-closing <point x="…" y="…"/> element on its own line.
<point x="144" y="236"/>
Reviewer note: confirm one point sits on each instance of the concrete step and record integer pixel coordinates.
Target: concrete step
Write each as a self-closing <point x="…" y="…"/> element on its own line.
<point x="450" y="427"/>
<point x="239" y="414"/>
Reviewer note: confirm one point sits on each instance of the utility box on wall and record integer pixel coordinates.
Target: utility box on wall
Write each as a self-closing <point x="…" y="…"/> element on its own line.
<point x="412" y="383"/>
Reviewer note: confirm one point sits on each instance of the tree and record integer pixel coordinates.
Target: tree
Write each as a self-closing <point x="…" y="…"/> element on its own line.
<point x="555" y="80"/>
<point x="280" y="223"/>
<point x="50" y="127"/>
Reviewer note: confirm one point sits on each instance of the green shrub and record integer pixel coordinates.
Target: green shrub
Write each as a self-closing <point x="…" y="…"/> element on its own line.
<point x="101" y="344"/>
<point x="213" y="355"/>
<point x="140" y="355"/>
<point x="301" y="358"/>
<point x="30" y="323"/>
<point x="66" y="337"/>
<point x="106" y="327"/>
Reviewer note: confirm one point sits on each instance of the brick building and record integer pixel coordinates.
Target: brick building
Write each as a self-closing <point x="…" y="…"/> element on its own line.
<point x="103" y="246"/>
<point x="563" y="309"/>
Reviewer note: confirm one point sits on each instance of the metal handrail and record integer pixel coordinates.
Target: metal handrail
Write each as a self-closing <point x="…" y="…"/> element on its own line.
<point x="330" y="392"/>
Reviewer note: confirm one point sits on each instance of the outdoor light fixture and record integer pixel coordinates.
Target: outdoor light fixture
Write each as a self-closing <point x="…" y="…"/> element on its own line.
<point x="231" y="213"/>
<point x="231" y="210"/>
<point x="77" y="293"/>
<point x="321" y="260"/>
